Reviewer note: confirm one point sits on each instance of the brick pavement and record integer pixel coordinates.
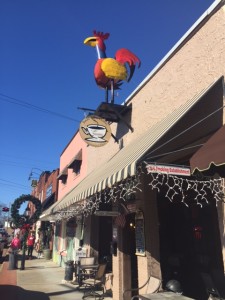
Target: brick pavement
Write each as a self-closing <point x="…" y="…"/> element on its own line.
<point x="8" y="277"/>
<point x="8" y="280"/>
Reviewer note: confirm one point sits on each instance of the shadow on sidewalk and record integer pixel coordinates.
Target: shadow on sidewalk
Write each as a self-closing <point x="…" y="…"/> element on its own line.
<point x="12" y="292"/>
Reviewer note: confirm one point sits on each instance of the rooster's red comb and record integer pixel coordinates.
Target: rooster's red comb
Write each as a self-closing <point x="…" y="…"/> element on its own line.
<point x="103" y="36"/>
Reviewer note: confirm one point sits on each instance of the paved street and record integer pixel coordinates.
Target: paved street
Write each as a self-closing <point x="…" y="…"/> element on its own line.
<point x="41" y="280"/>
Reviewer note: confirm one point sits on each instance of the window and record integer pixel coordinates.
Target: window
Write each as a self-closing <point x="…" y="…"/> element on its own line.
<point x="49" y="191"/>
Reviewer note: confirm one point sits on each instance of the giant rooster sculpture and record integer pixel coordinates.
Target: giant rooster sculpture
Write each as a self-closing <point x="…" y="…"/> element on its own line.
<point x="111" y="72"/>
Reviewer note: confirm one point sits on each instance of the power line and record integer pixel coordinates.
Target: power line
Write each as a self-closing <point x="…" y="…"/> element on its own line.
<point x="14" y="164"/>
<point x="34" y="161"/>
<point x="10" y="185"/>
<point x="13" y="187"/>
<point x="14" y="183"/>
<point x="16" y="101"/>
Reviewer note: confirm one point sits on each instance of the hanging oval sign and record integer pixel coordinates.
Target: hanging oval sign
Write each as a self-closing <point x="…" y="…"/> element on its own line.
<point x="95" y="131"/>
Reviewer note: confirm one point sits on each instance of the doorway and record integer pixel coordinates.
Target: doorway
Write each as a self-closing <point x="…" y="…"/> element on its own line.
<point x="189" y="244"/>
<point x="105" y="239"/>
<point x="129" y="248"/>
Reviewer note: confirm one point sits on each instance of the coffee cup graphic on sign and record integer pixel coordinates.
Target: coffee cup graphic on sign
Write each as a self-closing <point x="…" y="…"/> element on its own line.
<point x="97" y="132"/>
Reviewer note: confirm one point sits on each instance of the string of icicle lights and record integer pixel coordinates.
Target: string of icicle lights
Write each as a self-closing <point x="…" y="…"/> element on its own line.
<point x="183" y="188"/>
<point x="175" y="188"/>
<point x="88" y="206"/>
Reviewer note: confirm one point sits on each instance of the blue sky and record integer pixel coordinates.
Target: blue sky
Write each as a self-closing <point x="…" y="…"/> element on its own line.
<point x="43" y="62"/>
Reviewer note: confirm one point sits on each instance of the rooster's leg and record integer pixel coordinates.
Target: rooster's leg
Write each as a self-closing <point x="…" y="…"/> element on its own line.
<point x="106" y="95"/>
<point x="112" y="91"/>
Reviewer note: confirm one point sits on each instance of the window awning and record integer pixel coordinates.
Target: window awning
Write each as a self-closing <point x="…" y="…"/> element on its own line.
<point x="77" y="157"/>
<point x="124" y="163"/>
<point x="210" y="158"/>
<point x="63" y="174"/>
<point x="47" y="212"/>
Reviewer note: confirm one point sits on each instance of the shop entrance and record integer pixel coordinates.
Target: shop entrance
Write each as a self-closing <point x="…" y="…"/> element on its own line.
<point x="189" y="244"/>
<point x="105" y="239"/>
<point x="129" y="248"/>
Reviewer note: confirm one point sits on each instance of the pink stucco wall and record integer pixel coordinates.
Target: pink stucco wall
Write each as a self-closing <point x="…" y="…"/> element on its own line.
<point x="75" y="145"/>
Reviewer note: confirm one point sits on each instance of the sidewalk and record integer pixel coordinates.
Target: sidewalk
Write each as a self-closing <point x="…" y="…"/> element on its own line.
<point x="41" y="280"/>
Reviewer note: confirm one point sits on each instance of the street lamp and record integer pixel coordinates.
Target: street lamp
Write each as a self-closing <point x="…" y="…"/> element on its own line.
<point x="32" y="172"/>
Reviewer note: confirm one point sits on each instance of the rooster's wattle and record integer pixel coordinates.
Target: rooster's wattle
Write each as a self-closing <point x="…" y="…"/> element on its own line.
<point x="111" y="72"/>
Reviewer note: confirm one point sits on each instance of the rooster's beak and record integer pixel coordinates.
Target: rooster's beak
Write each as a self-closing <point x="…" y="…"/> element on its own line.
<point x="91" y="41"/>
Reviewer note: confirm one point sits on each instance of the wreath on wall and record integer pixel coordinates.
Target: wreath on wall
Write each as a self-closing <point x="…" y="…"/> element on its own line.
<point x="22" y="221"/>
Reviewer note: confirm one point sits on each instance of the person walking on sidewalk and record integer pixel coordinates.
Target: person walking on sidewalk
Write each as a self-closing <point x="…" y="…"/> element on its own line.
<point x="16" y="243"/>
<point x="30" y="244"/>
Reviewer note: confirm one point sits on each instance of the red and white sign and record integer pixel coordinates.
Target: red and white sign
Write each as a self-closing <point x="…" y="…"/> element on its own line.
<point x="172" y="170"/>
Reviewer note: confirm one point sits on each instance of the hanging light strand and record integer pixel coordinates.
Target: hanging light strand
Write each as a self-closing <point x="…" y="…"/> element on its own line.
<point x="180" y="187"/>
<point x="111" y="194"/>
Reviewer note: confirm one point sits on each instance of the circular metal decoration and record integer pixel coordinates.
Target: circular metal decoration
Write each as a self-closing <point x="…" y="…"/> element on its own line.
<point x="95" y="131"/>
